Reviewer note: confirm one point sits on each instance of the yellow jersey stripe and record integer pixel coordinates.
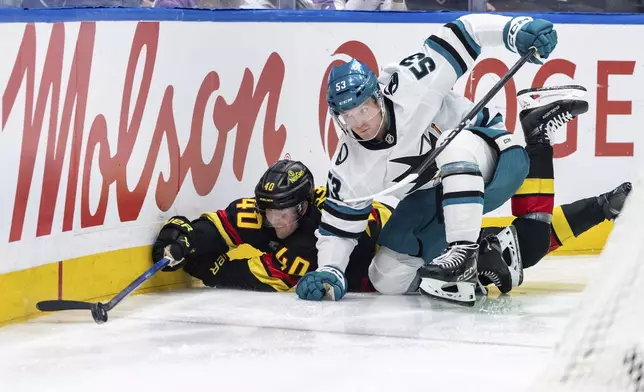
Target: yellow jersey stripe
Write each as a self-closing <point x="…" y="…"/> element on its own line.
<point x="537" y="186"/>
<point x="560" y="225"/>
<point x="214" y="218"/>
<point x="259" y="271"/>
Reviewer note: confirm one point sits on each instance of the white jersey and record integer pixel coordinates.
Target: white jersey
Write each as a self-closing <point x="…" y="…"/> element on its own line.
<point x="421" y="104"/>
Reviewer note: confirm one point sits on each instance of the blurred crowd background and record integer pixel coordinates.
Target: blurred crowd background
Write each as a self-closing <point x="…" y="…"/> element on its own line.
<point x="621" y="6"/>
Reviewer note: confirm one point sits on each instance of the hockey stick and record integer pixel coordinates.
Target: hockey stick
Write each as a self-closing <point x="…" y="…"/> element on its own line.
<point x="99" y="310"/>
<point x="427" y="162"/>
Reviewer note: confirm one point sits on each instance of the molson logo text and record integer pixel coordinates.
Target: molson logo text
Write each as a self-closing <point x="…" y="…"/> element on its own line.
<point x="115" y="153"/>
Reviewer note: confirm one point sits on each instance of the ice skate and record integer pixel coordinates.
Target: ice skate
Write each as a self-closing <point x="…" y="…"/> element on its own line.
<point x="500" y="260"/>
<point x="612" y="202"/>
<point x="544" y="110"/>
<point x="452" y="276"/>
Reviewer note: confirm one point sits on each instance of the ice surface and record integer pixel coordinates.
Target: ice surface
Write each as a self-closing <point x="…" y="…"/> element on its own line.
<point x="224" y="340"/>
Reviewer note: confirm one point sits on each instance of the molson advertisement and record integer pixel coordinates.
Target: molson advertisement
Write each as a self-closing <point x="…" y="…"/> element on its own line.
<point x="109" y="128"/>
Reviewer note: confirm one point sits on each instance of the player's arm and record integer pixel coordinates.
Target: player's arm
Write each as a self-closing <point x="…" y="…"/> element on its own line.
<point x="319" y="196"/>
<point x="249" y="269"/>
<point x="341" y="226"/>
<point x="283" y="267"/>
<point x="245" y="267"/>
<point x="210" y="236"/>
<point x="342" y="223"/>
<point x="278" y="268"/>
<point x="452" y="51"/>
<point x="239" y="223"/>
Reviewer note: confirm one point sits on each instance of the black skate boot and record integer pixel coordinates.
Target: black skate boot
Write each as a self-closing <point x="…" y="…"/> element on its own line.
<point x="544" y="110"/>
<point x="500" y="260"/>
<point x="612" y="202"/>
<point x="452" y="276"/>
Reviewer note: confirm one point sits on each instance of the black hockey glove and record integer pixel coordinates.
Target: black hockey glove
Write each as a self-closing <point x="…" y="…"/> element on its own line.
<point x="175" y="237"/>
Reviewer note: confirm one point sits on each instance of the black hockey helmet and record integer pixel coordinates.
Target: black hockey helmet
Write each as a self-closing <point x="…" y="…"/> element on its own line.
<point x="285" y="184"/>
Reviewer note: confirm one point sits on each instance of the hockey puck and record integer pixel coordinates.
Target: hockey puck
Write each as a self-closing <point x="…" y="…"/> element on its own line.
<point x="99" y="313"/>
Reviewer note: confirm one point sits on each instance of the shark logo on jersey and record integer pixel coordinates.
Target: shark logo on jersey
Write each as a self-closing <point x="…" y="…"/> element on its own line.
<point x="427" y="144"/>
<point x="414" y="162"/>
<point x="393" y="85"/>
<point x="426" y="141"/>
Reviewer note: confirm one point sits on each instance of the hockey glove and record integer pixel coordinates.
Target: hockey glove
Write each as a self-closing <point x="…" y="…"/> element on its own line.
<point x="522" y="33"/>
<point x="327" y="282"/>
<point x="173" y="241"/>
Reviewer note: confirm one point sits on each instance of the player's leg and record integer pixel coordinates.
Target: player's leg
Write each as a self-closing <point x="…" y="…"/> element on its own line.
<point x="393" y="269"/>
<point x="391" y="272"/>
<point x="571" y="220"/>
<point x="480" y="170"/>
<point x="500" y="253"/>
<point x="544" y="110"/>
<point x="533" y="204"/>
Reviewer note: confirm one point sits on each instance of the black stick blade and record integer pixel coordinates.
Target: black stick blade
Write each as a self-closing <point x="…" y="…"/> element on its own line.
<point x="61" y="304"/>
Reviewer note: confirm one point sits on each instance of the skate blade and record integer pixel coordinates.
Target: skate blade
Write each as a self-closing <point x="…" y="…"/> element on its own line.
<point x="566" y="90"/>
<point x="509" y="240"/>
<point x="530" y="98"/>
<point x="463" y="295"/>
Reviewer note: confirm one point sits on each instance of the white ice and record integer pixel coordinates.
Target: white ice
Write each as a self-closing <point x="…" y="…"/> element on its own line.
<point x="224" y="340"/>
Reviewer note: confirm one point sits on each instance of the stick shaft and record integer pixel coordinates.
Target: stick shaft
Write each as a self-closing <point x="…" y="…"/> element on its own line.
<point x="159" y="265"/>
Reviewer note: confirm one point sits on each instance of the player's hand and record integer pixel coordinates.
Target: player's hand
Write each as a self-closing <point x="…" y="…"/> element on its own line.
<point x="522" y="33"/>
<point x="327" y="282"/>
<point x="173" y="241"/>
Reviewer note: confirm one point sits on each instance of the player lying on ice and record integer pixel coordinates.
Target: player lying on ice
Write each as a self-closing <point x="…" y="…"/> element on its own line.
<point x="277" y="227"/>
<point x="390" y="125"/>
<point x="216" y="247"/>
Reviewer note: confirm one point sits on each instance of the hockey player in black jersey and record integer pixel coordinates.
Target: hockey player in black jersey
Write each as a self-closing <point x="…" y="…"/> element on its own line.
<point x="266" y="242"/>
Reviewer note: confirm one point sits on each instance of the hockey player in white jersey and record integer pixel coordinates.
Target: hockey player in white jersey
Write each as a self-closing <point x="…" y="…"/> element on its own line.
<point x="389" y="126"/>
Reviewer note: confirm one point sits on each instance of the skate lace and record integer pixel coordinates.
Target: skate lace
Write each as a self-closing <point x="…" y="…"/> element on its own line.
<point x="454" y="256"/>
<point x="492" y="276"/>
<point x="557" y="122"/>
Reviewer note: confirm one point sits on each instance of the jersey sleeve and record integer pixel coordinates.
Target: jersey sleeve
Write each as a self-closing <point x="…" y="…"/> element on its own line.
<point x="273" y="271"/>
<point x="240" y="223"/>
<point x="456" y="45"/>
<point x="319" y="196"/>
<point x="342" y="223"/>
<point x="430" y="74"/>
